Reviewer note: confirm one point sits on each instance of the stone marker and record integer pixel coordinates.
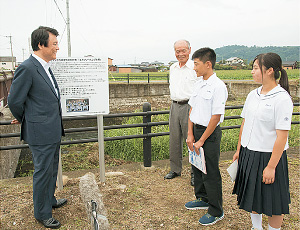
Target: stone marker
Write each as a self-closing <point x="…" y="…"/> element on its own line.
<point x="90" y="192"/>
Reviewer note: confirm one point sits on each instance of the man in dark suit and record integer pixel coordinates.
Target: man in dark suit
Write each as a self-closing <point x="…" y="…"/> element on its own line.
<point x="34" y="101"/>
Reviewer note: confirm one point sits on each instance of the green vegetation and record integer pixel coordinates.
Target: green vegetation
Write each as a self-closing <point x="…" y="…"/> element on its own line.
<point x="85" y="156"/>
<point x="287" y="53"/>
<point x="241" y="74"/>
<point x="132" y="150"/>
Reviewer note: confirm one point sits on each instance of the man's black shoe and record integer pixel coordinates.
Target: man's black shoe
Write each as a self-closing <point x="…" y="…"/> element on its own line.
<point x="171" y="175"/>
<point x="50" y="223"/>
<point x="60" y="203"/>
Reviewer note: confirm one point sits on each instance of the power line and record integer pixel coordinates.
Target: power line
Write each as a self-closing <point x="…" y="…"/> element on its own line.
<point x="61" y="37"/>
<point x="60" y="11"/>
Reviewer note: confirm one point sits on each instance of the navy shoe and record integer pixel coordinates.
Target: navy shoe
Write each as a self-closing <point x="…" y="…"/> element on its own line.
<point x="196" y="204"/>
<point x="208" y="219"/>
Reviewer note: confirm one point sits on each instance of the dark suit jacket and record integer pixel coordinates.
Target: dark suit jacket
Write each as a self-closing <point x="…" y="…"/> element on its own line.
<point x="33" y="102"/>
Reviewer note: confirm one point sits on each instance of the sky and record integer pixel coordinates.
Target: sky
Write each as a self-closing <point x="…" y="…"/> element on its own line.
<point x="135" y="31"/>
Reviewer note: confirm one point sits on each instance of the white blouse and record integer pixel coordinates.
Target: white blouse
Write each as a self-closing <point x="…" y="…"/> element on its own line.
<point x="264" y="114"/>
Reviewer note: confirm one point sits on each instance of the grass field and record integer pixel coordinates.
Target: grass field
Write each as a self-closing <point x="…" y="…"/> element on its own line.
<point x="222" y="74"/>
<point x="85" y="156"/>
<point x="132" y="150"/>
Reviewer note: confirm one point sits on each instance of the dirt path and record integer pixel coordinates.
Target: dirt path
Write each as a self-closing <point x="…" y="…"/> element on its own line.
<point x="147" y="202"/>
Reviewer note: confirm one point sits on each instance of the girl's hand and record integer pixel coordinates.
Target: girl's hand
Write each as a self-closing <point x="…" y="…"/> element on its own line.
<point x="236" y="156"/>
<point x="268" y="175"/>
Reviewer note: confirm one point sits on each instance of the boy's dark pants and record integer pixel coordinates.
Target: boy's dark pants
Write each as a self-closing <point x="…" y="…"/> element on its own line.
<point x="209" y="186"/>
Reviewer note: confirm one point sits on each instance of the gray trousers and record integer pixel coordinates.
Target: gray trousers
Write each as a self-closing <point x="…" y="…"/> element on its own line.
<point x="178" y="126"/>
<point x="45" y="160"/>
<point x="209" y="186"/>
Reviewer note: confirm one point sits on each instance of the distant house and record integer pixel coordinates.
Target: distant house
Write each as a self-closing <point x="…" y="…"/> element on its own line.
<point x="109" y="61"/>
<point x="145" y="63"/>
<point x="6" y="63"/>
<point x="127" y="69"/>
<point x="234" y="61"/>
<point x="111" y="67"/>
<point x="171" y="62"/>
<point x="142" y="65"/>
<point x="290" y="65"/>
<point x="156" y="64"/>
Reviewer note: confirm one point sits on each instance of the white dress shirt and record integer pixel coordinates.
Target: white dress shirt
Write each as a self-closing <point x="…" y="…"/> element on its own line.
<point x="46" y="67"/>
<point x="208" y="99"/>
<point x="264" y="114"/>
<point x="182" y="81"/>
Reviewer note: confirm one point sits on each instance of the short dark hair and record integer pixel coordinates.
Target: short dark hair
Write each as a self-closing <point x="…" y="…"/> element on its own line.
<point x="205" y="54"/>
<point x="40" y="36"/>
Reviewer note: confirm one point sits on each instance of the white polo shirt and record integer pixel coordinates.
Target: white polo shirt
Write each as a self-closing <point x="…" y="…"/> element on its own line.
<point x="182" y="81"/>
<point x="208" y="99"/>
<point x="264" y="114"/>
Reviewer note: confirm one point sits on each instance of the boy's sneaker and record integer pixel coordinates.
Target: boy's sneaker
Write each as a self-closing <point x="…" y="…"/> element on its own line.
<point x="196" y="204"/>
<point x="208" y="219"/>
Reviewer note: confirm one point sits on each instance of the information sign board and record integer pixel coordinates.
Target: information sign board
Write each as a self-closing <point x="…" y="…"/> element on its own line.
<point x="83" y="84"/>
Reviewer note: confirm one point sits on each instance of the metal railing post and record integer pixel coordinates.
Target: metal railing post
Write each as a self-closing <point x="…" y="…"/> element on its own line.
<point x="168" y="78"/>
<point x="148" y="78"/>
<point x="147" y="140"/>
<point x="128" y="78"/>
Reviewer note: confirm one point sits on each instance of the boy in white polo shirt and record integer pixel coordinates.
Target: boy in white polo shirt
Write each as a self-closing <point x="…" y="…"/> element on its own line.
<point x="206" y="113"/>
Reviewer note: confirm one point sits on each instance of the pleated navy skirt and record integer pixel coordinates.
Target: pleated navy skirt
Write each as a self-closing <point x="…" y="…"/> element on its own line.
<point x="252" y="193"/>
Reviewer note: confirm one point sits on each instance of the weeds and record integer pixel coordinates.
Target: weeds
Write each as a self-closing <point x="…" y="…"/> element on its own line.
<point x="85" y="156"/>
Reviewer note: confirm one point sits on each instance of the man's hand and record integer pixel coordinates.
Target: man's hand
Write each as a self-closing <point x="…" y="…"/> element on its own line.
<point x="197" y="146"/>
<point x="14" y="122"/>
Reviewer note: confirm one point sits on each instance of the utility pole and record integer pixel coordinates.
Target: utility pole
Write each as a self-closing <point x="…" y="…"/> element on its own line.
<point x="29" y="46"/>
<point x="23" y="53"/>
<point x="68" y="29"/>
<point x="12" y="55"/>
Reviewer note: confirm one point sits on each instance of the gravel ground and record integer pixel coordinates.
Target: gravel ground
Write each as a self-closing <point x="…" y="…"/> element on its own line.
<point x="147" y="202"/>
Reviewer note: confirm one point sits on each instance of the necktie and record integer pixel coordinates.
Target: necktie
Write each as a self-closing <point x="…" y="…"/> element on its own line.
<point x="54" y="81"/>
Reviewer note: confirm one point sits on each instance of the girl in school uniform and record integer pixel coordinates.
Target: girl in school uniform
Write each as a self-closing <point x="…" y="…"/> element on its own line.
<point x="262" y="183"/>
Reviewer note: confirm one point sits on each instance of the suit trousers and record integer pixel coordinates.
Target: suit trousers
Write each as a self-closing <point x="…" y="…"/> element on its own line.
<point x="178" y="126"/>
<point x="209" y="186"/>
<point x="45" y="160"/>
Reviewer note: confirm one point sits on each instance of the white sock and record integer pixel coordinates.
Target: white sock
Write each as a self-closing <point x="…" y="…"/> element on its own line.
<point x="256" y="220"/>
<point x="271" y="228"/>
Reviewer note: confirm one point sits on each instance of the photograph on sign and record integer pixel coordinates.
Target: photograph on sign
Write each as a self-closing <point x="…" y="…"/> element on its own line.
<point x="77" y="105"/>
<point x="83" y="84"/>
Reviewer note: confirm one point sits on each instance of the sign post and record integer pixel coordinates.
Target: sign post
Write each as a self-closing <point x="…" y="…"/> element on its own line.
<point x="59" y="173"/>
<point x="101" y="147"/>
<point x="84" y="90"/>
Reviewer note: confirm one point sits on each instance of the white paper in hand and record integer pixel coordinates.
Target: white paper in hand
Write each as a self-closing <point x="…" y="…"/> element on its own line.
<point x="198" y="160"/>
<point x="232" y="170"/>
